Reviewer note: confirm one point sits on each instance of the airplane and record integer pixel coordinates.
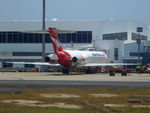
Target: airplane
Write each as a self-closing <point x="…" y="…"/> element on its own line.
<point x="70" y="59"/>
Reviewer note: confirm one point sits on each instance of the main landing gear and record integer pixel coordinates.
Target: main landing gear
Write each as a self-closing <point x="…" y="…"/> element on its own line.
<point x="123" y="73"/>
<point x="65" y="71"/>
<point x="112" y="73"/>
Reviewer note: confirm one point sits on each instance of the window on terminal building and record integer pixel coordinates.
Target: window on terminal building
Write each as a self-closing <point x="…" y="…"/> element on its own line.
<point x="89" y="36"/>
<point x="36" y="38"/>
<point x="68" y="38"/>
<point x="79" y="37"/>
<point x="15" y="37"/>
<point x="10" y="37"/>
<point x="6" y="65"/>
<point x="2" y="37"/>
<point x="62" y="38"/>
<point x="135" y="36"/>
<point x="74" y="37"/>
<point x="47" y="38"/>
<point x="85" y="37"/>
<point x="115" y="36"/>
<point x="18" y="37"/>
<point x="25" y="36"/>
<point x="40" y="38"/>
<point x="31" y="37"/>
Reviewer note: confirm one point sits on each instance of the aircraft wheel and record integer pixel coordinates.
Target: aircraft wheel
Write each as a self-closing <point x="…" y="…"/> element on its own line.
<point x="66" y="71"/>
<point x="124" y="73"/>
<point x="112" y="73"/>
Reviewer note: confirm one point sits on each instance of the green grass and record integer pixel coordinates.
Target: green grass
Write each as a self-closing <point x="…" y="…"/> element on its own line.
<point x="89" y="104"/>
<point x="131" y="110"/>
<point x="38" y="110"/>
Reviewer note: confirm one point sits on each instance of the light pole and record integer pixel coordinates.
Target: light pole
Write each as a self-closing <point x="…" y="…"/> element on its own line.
<point x="138" y="40"/>
<point x="43" y="36"/>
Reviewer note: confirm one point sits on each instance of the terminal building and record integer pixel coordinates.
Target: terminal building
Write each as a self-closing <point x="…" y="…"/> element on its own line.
<point x="115" y="37"/>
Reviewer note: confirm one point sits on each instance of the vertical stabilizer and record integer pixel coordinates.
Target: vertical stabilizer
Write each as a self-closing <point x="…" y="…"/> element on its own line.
<point x="55" y="40"/>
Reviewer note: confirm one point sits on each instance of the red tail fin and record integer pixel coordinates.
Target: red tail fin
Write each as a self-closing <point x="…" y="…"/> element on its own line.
<point x="55" y="40"/>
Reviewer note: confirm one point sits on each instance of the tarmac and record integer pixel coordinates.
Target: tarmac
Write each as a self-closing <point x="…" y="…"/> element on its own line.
<point x="19" y="81"/>
<point x="131" y="77"/>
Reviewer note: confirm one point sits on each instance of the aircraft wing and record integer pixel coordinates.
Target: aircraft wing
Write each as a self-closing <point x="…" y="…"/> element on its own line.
<point x="35" y="63"/>
<point x="85" y="65"/>
<point x="110" y="64"/>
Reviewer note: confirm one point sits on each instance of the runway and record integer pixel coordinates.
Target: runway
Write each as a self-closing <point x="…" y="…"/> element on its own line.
<point x="16" y="82"/>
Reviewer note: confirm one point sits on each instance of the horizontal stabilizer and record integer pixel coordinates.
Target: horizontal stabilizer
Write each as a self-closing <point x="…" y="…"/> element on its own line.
<point x="63" y="31"/>
<point x="34" y="63"/>
<point x="36" y="31"/>
<point x="47" y="31"/>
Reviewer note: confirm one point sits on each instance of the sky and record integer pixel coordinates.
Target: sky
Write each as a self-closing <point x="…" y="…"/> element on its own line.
<point x="76" y="10"/>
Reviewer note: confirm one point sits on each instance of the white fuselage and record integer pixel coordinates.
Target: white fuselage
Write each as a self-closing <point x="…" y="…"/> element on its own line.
<point x="89" y="56"/>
